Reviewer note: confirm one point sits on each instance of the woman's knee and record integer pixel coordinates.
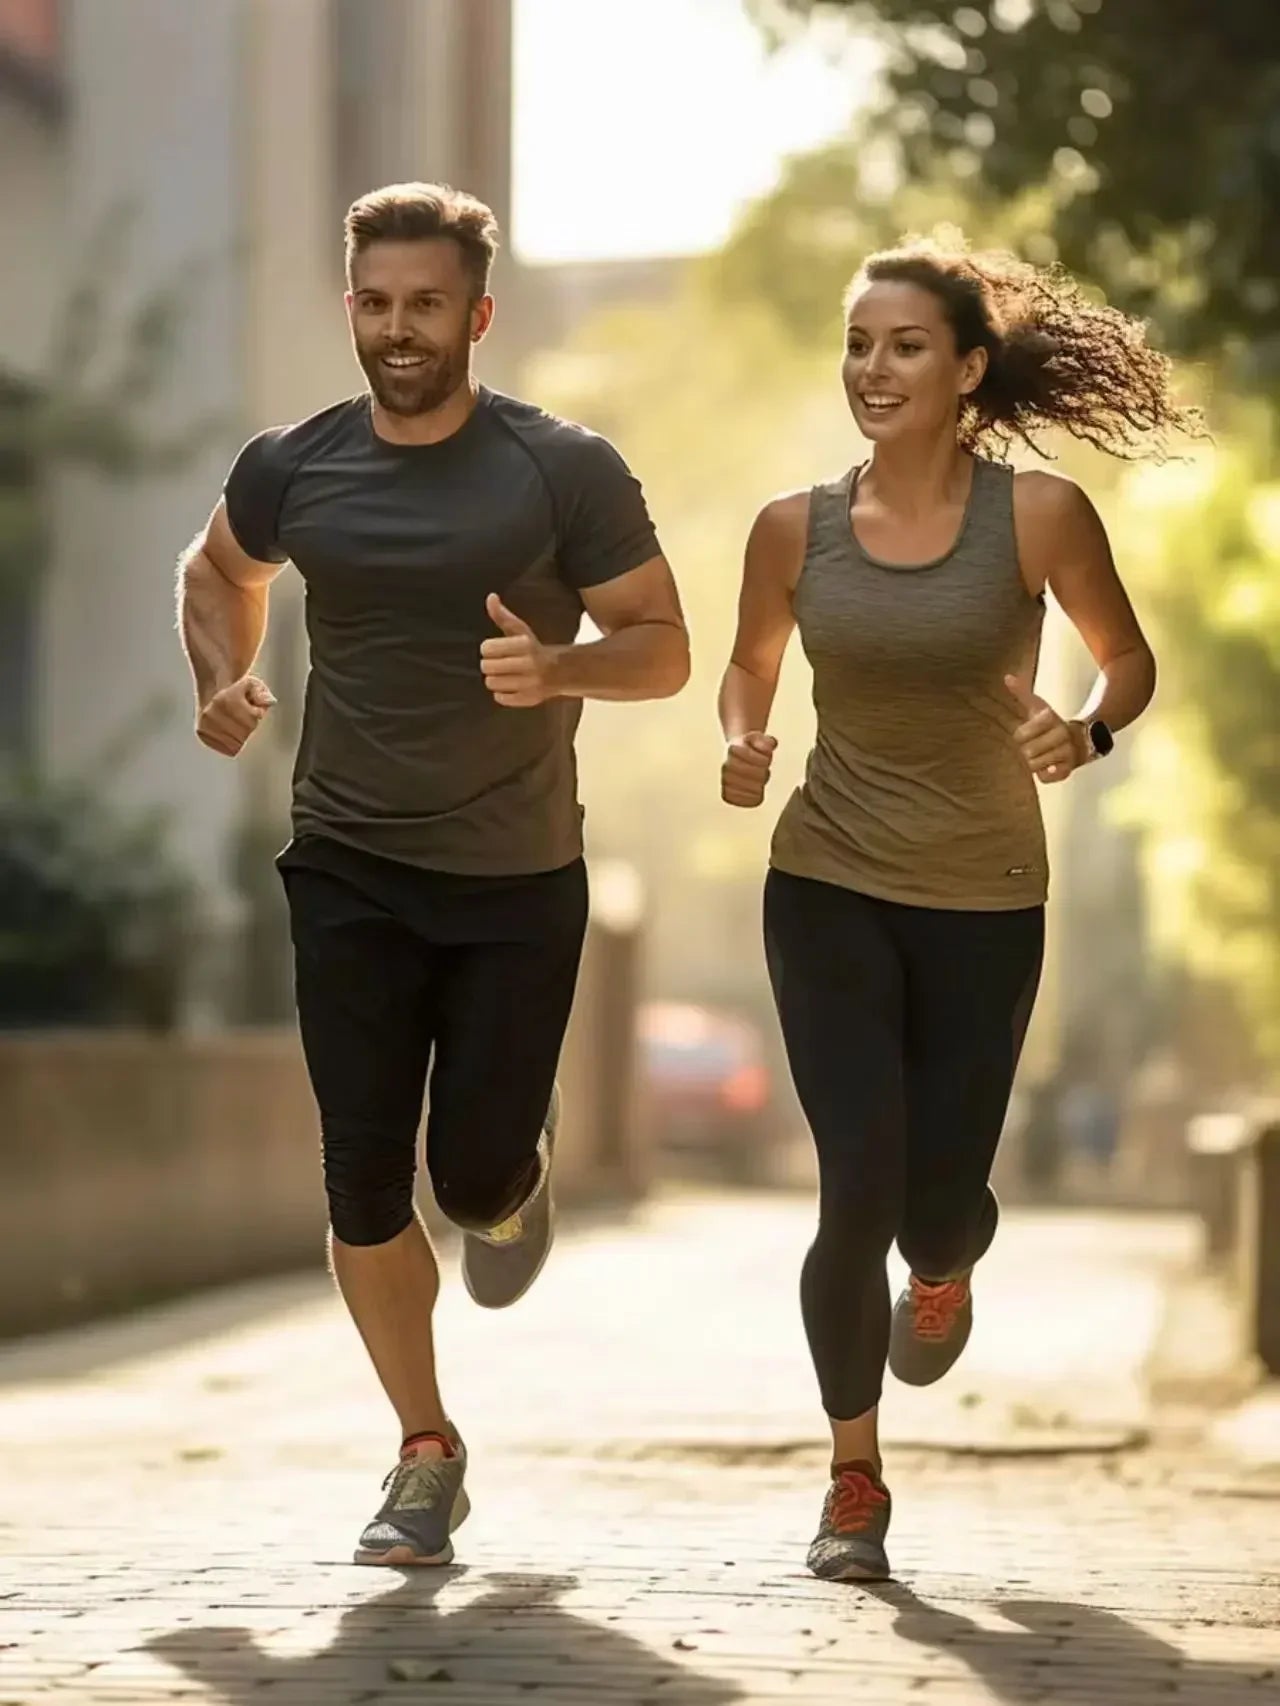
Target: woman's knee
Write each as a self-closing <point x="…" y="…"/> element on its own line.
<point x="939" y="1244"/>
<point x="854" y="1235"/>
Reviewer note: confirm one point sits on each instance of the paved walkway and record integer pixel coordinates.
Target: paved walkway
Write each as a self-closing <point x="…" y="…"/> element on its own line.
<point x="181" y="1493"/>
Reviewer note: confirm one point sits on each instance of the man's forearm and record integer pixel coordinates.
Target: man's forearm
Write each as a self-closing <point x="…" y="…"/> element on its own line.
<point x="222" y="625"/>
<point x="647" y="660"/>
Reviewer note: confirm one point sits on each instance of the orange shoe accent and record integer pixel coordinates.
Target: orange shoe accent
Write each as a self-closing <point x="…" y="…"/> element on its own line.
<point x="934" y="1308"/>
<point x="856" y="1499"/>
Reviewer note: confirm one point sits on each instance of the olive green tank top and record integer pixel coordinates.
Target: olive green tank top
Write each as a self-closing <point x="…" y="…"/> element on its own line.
<point x="915" y="791"/>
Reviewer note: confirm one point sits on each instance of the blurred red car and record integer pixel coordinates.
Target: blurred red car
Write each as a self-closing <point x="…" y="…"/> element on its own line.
<point x="708" y="1088"/>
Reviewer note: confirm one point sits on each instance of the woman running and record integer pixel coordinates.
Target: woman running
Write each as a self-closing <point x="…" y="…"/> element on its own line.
<point x="904" y="906"/>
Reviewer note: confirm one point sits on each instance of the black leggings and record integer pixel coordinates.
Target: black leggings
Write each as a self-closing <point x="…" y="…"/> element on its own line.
<point x="903" y="1026"/>
<point x="401" y="972"/>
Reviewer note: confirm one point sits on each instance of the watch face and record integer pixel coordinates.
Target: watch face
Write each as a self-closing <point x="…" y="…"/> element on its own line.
<point x="1102" y="738"/>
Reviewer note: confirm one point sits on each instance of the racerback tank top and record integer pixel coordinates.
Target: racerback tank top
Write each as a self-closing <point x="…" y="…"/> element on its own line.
<point x="915" y="791"/>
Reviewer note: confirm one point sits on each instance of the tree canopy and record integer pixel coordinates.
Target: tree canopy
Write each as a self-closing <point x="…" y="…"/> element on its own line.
<point x="1156" y="122"/>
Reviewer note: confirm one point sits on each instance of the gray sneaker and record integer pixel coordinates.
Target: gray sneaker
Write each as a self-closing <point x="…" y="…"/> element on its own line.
<point x="425" y="1502"/>
<point x="499" y="1266"/>
<point x="931" y="1326"/>
<point x="849" y="1545"/>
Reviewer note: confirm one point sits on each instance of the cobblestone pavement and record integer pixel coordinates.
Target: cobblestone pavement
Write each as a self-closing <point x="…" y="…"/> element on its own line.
<point x="182" y="1492"/>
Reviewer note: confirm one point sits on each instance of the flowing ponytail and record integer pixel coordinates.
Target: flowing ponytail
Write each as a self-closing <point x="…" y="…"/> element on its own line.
<point x="1055" y="358"/>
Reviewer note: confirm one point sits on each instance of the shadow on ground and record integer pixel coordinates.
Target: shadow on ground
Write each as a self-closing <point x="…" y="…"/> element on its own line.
<point x="514" y="1641"/>
<point x="1083" y="1651"/>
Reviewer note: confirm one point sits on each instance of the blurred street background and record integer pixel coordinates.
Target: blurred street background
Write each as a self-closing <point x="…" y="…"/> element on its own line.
<point x="188" y="1435"/>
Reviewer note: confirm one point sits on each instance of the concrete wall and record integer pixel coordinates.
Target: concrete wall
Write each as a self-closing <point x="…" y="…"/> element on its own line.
<point x="138" y="1166"/>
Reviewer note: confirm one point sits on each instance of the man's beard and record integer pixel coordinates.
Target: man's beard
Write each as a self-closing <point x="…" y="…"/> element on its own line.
<point x="417" y="390"/>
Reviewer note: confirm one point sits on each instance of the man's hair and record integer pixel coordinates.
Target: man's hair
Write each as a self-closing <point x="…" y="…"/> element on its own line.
<point x="411" y="213"/>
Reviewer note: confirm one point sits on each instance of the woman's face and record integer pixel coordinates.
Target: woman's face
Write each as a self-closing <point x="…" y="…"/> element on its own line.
<point x="902" y="372"/>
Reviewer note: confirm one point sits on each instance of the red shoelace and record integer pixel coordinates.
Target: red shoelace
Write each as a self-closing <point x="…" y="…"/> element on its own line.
<point x="855" y="1501"/>
<point x="934" y="1308"/>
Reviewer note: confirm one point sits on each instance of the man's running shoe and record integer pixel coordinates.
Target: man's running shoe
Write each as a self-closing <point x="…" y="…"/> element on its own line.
<point x="425" y="1502"/>
<point x="499" y="1266"/>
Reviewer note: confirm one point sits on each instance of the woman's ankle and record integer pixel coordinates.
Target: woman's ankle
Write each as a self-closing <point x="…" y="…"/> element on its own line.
<point x="857" y="1440"/>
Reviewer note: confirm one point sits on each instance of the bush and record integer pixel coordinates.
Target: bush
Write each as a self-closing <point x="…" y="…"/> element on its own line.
<point x="92" y="910"/>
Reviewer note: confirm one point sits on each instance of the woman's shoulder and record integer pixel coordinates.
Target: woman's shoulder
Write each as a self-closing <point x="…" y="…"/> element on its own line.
<point x="784" y="514"/>
<point x="788" y="515"/>
<point x="1041" y="495"/>
<point x="779" y="537"/>
<point x="1054" y="521"/>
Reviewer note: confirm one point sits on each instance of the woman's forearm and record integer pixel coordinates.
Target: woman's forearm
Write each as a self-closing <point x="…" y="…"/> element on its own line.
<point x="1122" y="690"/>
<point x="745" y="702"/>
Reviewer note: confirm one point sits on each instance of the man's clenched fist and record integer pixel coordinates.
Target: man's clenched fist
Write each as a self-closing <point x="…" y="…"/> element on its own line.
<point x="232" y="715"/>
<point x="744" y="774"/>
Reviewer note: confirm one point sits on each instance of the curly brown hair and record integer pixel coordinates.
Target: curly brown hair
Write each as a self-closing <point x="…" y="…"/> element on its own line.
<point x="1055" y="357"/>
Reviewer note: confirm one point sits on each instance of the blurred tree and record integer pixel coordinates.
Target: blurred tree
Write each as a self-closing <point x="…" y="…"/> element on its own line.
<point x="1155" y="122"/>
<point x="796" y="248"/>
<point x="78" y="413"/>
<point x="1204" y="542"/>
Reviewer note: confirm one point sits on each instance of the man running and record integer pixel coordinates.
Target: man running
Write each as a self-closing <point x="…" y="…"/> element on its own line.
<point x="450" y="540"/>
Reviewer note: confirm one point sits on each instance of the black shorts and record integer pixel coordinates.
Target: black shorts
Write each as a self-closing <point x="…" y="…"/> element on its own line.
<point x="405" y="976"/>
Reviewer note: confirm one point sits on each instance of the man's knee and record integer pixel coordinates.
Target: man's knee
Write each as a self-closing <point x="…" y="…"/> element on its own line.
<point x="369" y="1185"/>
<point x="476" y="1202"/>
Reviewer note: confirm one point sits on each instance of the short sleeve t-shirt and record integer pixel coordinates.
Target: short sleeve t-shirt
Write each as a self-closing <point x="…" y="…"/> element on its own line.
<point x="404" y="752"/>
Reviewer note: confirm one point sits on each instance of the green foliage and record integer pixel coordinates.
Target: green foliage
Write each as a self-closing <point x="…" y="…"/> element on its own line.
<point x="796" y="249"/>
<point x="1204" y="545"/>
<point x="91" y="906"/>
<point x="1155" y="122"/>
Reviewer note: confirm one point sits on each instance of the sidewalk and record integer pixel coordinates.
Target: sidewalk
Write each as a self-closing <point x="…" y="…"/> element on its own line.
<point x="181" y="1494"/>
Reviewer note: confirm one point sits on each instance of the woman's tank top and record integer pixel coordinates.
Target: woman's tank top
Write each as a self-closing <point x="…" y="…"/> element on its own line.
<point x="915" y="791"/>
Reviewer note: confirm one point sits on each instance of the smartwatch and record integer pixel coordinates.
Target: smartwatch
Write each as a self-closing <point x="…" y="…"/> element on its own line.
<point x="1098" y="737"/>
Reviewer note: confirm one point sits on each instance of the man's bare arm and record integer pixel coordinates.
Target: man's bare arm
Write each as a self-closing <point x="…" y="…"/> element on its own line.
<point x="222" y="618"/>
<point x="644" y="653"/>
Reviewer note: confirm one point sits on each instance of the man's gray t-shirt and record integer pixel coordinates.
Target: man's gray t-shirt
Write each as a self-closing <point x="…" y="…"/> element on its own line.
<point x="404" y="752"/>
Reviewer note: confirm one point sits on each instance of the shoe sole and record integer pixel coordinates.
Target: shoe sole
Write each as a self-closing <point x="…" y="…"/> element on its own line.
<point x="854" y="1573"/>
<point x="406" y="1555"/>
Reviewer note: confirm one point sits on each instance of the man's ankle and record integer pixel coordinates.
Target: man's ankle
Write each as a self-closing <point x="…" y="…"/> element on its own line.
<point x="428" y="1442"/>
